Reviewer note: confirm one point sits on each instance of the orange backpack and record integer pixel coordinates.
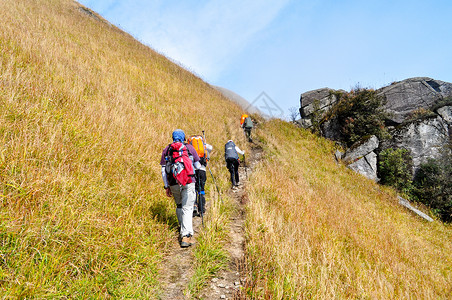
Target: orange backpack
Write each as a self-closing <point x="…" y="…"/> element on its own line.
<point x="242" y="119"/>
<point x="197" y="141"/>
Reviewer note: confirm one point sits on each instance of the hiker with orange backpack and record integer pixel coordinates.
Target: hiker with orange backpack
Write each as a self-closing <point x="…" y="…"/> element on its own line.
<point x="179" y="161"/>
<point x="242" y="118"/>
<point x="203" y="149"/>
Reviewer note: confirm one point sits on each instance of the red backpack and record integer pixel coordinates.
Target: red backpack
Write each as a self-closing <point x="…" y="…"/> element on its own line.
<point x="181" y="166"/>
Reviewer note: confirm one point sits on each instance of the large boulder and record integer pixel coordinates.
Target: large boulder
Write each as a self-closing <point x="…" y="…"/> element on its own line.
<point x="362" y="158"/>
<point x="366" y="166"/>
<point x="320" y="100"/>
<point x="361" y="148"/>
<point x="405" y="97"/>
<point x="421" y="119"/>
<point x="424" y="139"/>
<point x="446" y="113"/>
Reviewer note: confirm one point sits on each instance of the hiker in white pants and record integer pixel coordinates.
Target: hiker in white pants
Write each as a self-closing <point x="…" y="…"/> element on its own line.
<point x="182" y="189"/>
<point x="185" y="197"/>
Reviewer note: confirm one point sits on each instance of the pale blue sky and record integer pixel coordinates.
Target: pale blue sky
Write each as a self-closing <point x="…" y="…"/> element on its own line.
<point x="287" y="47"/>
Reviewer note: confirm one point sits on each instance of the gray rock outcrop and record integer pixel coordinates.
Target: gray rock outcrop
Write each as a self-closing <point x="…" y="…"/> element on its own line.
<point x="362" y="158"/>
<point x="402" y="98"/>
<point x="424" y="139"/>
<point x="446" y="113"/>
<point x="361" y="149"/>
<point x="420" y="111"/>
<point x="405" y="97"/>
<point x="320" y="100"/>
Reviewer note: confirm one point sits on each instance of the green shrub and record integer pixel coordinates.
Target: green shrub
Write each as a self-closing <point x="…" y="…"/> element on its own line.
<point x="359" y="113"/>
<point x="433" y="186"/>
<point x="419" y="114"/>
<point x="395" y="167"/>
<point x="316" y="117"/>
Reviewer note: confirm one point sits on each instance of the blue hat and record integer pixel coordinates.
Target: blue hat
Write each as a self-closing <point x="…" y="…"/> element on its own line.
<point x="178" y="135"/>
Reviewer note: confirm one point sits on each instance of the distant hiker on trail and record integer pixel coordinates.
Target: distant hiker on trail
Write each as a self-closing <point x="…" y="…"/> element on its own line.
<point x="203" y="149"/>
<point x="179" y="161"/>
<point x="242" y="119"/>
<point x="247" y="126"/>
<point x="231" y="155"/>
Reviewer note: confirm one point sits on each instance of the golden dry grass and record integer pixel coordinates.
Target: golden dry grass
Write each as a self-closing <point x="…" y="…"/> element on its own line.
<point x="85" y="111"/>
<point x="318" y="230"/>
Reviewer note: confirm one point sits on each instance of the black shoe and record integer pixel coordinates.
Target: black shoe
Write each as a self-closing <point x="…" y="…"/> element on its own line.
<point x="195" y="211"/>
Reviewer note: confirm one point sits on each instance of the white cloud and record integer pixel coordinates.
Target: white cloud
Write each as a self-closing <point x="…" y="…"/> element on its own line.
<point x="204" y="37"/>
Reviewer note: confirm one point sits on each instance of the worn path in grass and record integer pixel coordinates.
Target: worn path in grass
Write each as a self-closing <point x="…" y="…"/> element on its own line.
<point x="179" y="263"/>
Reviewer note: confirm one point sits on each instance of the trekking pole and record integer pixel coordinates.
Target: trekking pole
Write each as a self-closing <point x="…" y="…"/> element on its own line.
<point x="244" y="162"/>
<point x="214" y="181"/>
<point x="198" y="202"/>
<point x="202" y="211"/>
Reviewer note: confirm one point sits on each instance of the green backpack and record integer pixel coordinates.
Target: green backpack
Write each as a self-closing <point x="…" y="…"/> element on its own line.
<point x="248" y="123"/>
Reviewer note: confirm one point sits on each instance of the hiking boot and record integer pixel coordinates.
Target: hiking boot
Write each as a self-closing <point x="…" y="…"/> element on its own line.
<point x="186" y="242"/>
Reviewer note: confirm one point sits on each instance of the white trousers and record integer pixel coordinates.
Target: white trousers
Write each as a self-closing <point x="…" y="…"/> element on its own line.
<point x="185" y="197"/>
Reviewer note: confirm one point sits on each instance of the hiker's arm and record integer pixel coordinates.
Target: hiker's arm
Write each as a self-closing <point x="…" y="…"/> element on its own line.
<point x="239" y="151"/>
<point x="209" y="149"/>
<point x="165" y="179"/>
<point x="165" y="182"/>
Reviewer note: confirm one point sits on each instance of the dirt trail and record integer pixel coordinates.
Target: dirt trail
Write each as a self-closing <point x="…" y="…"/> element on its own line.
<point x="178" y="263"/>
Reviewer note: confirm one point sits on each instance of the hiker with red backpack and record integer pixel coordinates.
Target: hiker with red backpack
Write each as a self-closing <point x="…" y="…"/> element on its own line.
<point x="203" y="149"/>
<point x="231" y="155"/>
<point x="179" y="162"/>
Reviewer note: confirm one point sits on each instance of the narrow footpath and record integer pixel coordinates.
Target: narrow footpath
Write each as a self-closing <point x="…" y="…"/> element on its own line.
<point x="227" y="284"/>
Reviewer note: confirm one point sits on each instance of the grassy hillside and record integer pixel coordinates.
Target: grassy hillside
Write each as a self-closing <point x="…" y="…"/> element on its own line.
<point x="325" y="232"/>
<point x="85" y="111"/>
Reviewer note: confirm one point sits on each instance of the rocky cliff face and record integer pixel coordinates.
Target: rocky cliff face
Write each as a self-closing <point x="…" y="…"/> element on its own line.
<point x="420" y="114"/>
<point x="407" y="96"/>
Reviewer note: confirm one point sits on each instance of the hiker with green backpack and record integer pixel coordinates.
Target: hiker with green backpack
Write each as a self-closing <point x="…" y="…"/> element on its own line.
<point x="247" y="126"/>
<point x="179" y="161"/>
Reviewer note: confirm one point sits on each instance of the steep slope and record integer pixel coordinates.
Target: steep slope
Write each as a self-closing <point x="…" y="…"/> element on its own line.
<point x="324" y="232"/>
<point x="85" y="110"/>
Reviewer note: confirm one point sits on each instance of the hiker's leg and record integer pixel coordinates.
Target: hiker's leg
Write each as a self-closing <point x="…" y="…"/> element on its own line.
<point x="196" y="204"/>
<point x="202" y="202"/>
<point x="199" y="187"/>
<point x="236" y="171"/>
<point x="230" y="165"/>
<point x="202" y="182"/>
<point x="198" y="181"/>
<point x="175" y="189"/>
<point x="188" y="199"/>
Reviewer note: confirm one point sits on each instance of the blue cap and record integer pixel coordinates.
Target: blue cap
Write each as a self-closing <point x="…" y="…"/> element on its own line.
<point x="178" y="135"/>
